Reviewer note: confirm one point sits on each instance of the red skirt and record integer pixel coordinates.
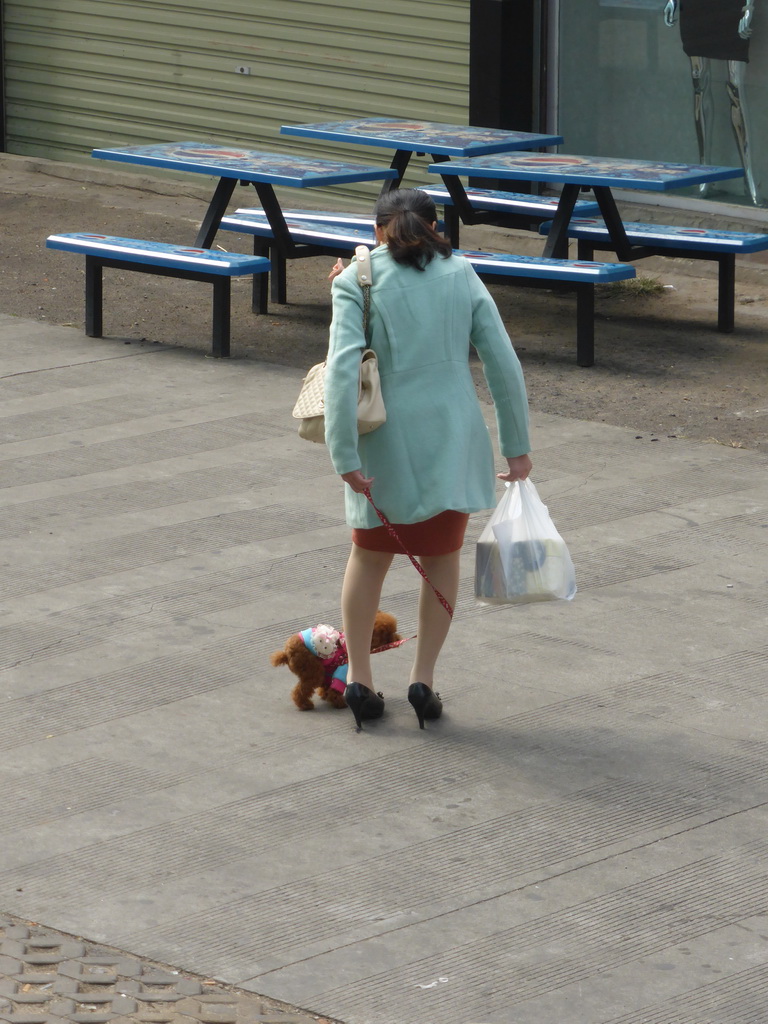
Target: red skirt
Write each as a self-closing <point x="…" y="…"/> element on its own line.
<point x="439" y="535"/>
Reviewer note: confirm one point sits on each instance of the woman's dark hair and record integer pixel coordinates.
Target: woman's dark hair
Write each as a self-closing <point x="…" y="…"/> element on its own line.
<point x="406" y="216"/>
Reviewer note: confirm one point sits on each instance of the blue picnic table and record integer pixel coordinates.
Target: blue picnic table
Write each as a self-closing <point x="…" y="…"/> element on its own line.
<point x="407" y="137"/>
<point x="577" y="173"/>
<point x="263" y="170"/>
<point x="629" y="241"/>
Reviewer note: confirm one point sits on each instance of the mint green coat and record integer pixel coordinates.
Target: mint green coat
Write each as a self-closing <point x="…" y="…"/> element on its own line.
<point x="434" y="452"/>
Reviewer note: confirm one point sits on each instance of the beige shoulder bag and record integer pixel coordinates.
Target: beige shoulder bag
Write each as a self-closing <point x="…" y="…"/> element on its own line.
<point x="310" y="405"/>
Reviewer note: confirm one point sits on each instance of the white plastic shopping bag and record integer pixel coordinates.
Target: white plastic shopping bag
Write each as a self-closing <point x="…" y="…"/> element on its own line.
<point x="520" y="556"/>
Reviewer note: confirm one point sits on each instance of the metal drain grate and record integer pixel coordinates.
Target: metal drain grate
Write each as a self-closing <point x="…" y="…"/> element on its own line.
<point x="47" y="977"/>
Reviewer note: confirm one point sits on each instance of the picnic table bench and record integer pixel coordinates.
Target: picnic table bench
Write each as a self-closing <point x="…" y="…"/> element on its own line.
<point x="193" y="264"/>
<point x="693" y="243"/>
<point x="580" y="276"/>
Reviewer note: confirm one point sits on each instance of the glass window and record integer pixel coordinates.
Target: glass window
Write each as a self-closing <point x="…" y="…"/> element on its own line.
<point x="630" y="85"/>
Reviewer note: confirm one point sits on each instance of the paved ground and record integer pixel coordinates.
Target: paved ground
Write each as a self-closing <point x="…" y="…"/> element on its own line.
<point x="580" y="840"/>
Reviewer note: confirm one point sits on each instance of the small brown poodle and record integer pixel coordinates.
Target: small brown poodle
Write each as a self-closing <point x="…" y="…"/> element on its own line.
<point x="318" y="657"/>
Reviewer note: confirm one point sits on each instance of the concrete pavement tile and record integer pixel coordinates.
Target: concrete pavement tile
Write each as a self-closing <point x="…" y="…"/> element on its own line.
<point x="205" y="472"/>
<point x="535" y="958"/>
<point x="35" y="355"/>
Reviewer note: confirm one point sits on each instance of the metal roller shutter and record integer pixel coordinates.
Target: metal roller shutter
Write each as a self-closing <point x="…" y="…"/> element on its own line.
<point x="85" y="73"/>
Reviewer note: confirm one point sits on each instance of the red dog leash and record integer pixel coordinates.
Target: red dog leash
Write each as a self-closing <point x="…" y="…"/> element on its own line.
<point x="393" y="533"/>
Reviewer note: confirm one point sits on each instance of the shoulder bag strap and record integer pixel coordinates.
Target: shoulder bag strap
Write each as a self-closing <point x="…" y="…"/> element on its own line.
<point x="365" y="277"/>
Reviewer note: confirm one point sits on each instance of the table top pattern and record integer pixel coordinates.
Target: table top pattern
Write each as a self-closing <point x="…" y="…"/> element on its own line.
<point x="246" y="164"/>
<point x="423" y="136"/>
<point x="588" y="170"/>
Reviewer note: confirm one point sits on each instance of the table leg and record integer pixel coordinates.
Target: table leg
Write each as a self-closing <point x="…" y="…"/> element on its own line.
<point x="585" y="324"/>
<point x="270" y="205"/>
<point x="451" y="215"/>
<point x="613" y="222"/>
<point x="93" y="297"/>
<point x="260" y="285"/>
<point x="400" y="162"/>
<point x="460" y="212"/>
<point x="283" y="247"/>
<point x="216" y="210"/>
<point x="221" y="317"/>
<point x="726" y="285"/>
<point x="557" y="240"/>
<point x="278" y="277"/>
<point x="452" y="223"/>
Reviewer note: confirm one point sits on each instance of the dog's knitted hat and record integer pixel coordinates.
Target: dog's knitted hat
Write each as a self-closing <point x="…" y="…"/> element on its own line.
<point x="322" y="640"/>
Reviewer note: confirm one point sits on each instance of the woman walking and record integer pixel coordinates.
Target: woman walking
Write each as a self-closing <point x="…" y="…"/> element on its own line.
<point x="432" y="462"/>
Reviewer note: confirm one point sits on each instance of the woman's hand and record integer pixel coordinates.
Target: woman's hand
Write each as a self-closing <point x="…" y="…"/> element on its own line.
<point x="338" y="266"/>
<point x="519" y="468"/>
<point x="745" y="25"/>
<point x="357" y="481"/>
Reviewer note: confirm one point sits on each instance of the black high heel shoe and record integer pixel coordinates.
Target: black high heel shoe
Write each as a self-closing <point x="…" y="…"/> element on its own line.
<point x="426" y="703"/>
<point x="363" y="703"/>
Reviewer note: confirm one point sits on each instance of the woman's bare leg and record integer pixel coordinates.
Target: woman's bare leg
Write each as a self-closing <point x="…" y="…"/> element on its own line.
<point x="434" y="620"/>
<point x="360" y="597"/>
